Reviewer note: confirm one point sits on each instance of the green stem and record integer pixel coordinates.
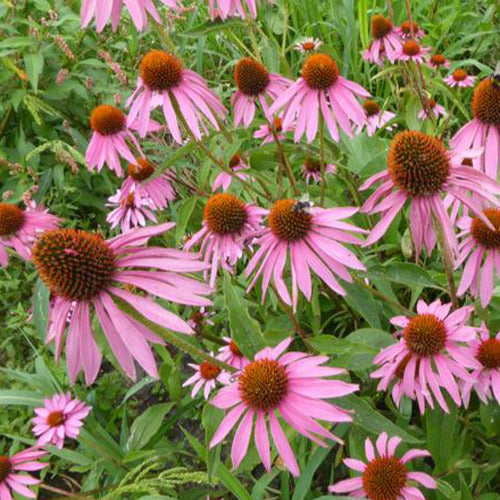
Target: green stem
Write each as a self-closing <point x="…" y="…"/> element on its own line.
<point x="284" y="159"/>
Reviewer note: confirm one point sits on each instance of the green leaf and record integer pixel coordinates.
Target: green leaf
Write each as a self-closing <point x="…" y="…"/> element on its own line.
<point x="41" y="308"/>
<point x="183" y="217"/>
<point x="146" y="425"/>
<point x="25" y="398"/>
<point x="231" y="482"/>
<point x="404" y="273"/>
<point x="245" y="330"/>
<point x="362" y="301"/>
<point x="34" y="67"/>
<point x="490" y="418"/>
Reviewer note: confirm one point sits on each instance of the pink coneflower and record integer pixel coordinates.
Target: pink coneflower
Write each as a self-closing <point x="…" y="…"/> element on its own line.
<point x="311" y="168"/>
<point x="130" y="210"/>
<point x="254" y="83"/>
<point x="157" y="189"/>
<point x="321" y="89"/>
<point x="10" y="479"/>
<point x="483" y="131"/>
<point x="405" y="31"/>
<point x="412" y="51"/>
<point x="429" y="354"/>
<point x="60" y="416"/>
<point x="294" y="385"/>
<point x="486" y="380"/>
<point x="438" y="61"/>
<point x="311" y="239"/>
<point x="228" y="224"/>
<point x="232" y="8"/>
<point x="82" y="269"/>
<point x="480" y="246"/>
<point x="112" y="9"/>
<point x="108" y="141"/>
<point x="231" y="354"/>
<point x="386" y="42"/>
<point x="223" y="180"/>
<point x="206" y="376"/>
<point x="18" y="228"/>
<point x="164" y="82"/>
<point x="435" y="109"/>
<point x="385" y="477"/>
<point x="265" y="132"/>
<point x="375" y="118"/>
<point x="308" y="44"/>
<point x="421" y="170"/>
<point x="460" y="78"/>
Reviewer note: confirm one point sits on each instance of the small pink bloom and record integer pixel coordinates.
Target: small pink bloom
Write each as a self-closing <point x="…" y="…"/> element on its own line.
<point x="412" y="51"/>
<point x="254" y="83"/>
<point x="375" y="118"/>
<point x="435" y="109"/>
<point x="412" y="177"/>
<point x="310" y="239"/>
<point x="486" y="380"/>
<point x="199" y="319"/>
<point x="231" y="354"/>
<point x="311" y="169"/>
<point x="112" y="9"/>
<point x="85" y="275"/>
<point x="406" y="33"/>
<point x="11" y="469"/>
<point x="460" y="78"/>
<point x="308" y="44"/>
<point x="18" y="228"/>
<point x="206" y="376"/>
<point x="321" y="89"/>
<point x="385" y="476"/>
<point x="480" y="247"/>
<point x="164" y="82"/>
<point x="228" y="225"/>
<point x="431" y="353"/>
<point x="60" y="416"/>
<point x="438" y="61"/>
<point x="232" y="8"/>
<point x="264" y="131"/>
<point x="130" y="210"/>
<point x="292" y="385"/>
<point x="386" y="41"/>
<point x="483" y="131"/>
<point x="223" y="180"/>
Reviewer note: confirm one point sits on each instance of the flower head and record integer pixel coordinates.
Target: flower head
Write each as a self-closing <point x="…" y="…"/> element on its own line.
<point x="232" y="8"/>
<point x="409" y="31"/>
<point x="435" y="109"/>
<point x="10" y="468"/>
<point x="308" y="44"/>
<point x="483" y="131"/>
<point x="486" y="379"/>
<point x="131" y="210"/>
<point x="293" y="385"/>
<point x="385" y="43"/>
<point x="375" y="118"/>
<point x="311" y="239"/>
<point x="421" y="170"/>
<point x="384" y="477"/>
<point x="236" y="164"/>
<point x="138" y="9"/>
<point x="460" y="78"/>
<point x="265" y="131"/>
<point x="438" y="61"/>
<point x="60" y="416"/>
<point x="254" y="83"/>
<point x="321" y="89"/>
<point x="412" y="51"/>
<point x="430" y="354"/>
<point x="81" y="270"/>
<point x="206" y="376"/>
<point x="231" y="354"/>
<point x="311" y="169"/>
<point x="18" y="228"/>
<point x="228" y="224"/>
<point x="164" y="82"/>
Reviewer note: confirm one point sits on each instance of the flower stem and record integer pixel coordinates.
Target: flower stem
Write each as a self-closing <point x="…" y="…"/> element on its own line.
<point x="284" y="160"/>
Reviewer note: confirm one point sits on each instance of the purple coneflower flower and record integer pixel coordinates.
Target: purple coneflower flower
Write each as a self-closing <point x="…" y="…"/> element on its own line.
<point x="231" y="354"/>
<point x="321" y="89"/>
<point x="405" y="31"/>
<point x="431" y="353"/>
<point x="60" y="417"/>
<point x="265" y="132"/>
<point x="223" y="180"/>
<point x="308" y="44"/>
<point x="435" y="109"/>
<point x="232" y="8"/>
<point x="385" y="477"/>
<point x="164" y="82"/>
<point x="311" y="168"/>
<point x="386" y="41"/>
<point x="375" y="118"/>
<point x="82" y="270"/>
<point x="206" y="376"/>
<point x="438" y="61"/>
<point x="412" y="51"/>
<point x="130" y="210"/>
<point x="460" y="78"/>
<point x="292" y="385"/>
